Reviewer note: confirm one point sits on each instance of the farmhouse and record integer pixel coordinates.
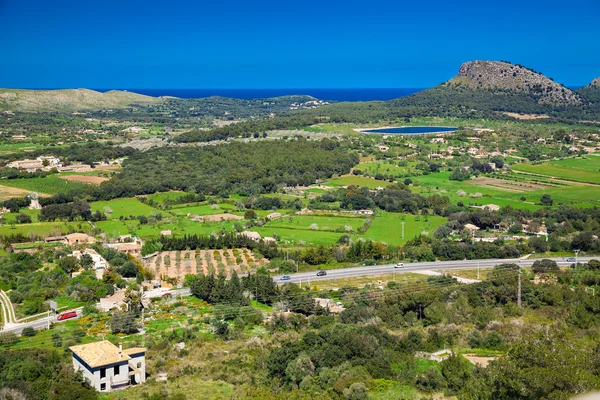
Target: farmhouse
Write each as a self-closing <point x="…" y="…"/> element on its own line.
<point x="130" y="248"/>
<point x="471" y="227"/>
<point x="108" y="367"/>
<point x="166" y="233"/>
<point x="273" y="216"/>
<point x="79" y="238"/>
<point x="251" y="235"/>
<point x="383" y="148"/>
<point x="19" y="137"/>
<point x="42" y="162"/>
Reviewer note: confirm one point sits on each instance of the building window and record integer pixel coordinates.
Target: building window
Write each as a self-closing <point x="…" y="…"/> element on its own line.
<point x="102" y="387"/>
<point x="103" y="373"/>
<point x="116" y="370"/>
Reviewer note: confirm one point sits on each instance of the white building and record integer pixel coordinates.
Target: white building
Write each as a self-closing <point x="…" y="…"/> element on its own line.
<point x="100" y="264"/>
<point x="108" y="367"/>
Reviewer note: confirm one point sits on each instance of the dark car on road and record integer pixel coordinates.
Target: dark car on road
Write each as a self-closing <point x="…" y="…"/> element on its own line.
<point x="321" y="273"/>
<point x="571" y="259"/>
<point x="285" y="278"/>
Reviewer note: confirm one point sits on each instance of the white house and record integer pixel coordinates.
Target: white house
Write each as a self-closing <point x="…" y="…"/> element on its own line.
<point x="100" y="264"/>
<point x="108" y="367"/>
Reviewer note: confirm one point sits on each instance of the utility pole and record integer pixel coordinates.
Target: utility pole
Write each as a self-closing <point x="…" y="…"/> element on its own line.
<point x="478" y="269"/>
<point x="48" y="319"/>
<point x="519" y="292"/>
<point x="576" y="253"/>
<point x="143" y="333"/>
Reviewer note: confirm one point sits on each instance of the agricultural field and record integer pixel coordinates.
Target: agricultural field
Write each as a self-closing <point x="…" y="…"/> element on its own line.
<point x="206" y="209"/>
<point x="44" y="229"/>
<point x="7" y="192"/>
<point x="581" y="169"/>
<point x="178" y="264"/>
<point x="507" y="191"/>
<point x="126" y="207"/>
<point x="387" y="227"/>
<point x="358" y="181"/>
<point x="48" y="185"/>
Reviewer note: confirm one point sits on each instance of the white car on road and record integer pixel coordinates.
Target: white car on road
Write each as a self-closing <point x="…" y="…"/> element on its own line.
<point x="399" y="265"/>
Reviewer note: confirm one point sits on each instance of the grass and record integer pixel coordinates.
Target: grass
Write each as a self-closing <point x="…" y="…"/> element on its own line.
<point x="204" y="209"/>
<point x="359" y="181"/>
<point x="45" y="228"/>
<point x="439" y="183"/>
<point x="261" y="306"/>
<point x="123" y="208"/>
<point x="387" y="227"/>
<point x="581" y="169"/>
<point x="68" y="302"/>
<point x="324" y="223"/>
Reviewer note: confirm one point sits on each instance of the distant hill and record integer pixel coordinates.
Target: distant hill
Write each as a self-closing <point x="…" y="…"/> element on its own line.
<point x="497" y="86"/>
<point x="591" y="92"/>
<point x="503" y="76"/>
<point x="69" y="99"/>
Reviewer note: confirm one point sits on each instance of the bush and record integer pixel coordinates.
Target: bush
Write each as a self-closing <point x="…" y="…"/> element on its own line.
<point x="28" y="331"/>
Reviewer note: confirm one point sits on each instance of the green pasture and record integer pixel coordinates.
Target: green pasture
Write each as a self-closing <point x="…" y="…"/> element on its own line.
<point x="439" y="183"/>
<point x="123" y="208"/>
<point x="581" y="169"/>
<point x="206" y="209"/>
<point x="323" y="223"/>
<point x="45" y="228"/>
<point x="358" y="181"/>
<point x="295" y="236"/>
<point x="387" y="227"/>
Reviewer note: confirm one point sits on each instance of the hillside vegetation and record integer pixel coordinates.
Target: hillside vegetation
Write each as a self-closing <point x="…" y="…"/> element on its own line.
<point x="68" y="99"/>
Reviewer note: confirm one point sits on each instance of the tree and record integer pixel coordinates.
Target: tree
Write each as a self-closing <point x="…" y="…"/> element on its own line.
<point x="250" y="214"/>
<point x="456" y="370"/>
<point x="23" y="219"/>
<point x="86" y="261"/>
<point x="69" y="264"/>
<point x="544" y="266"/>
<point x="123" y="322"/>
<point x="546" y="200"/>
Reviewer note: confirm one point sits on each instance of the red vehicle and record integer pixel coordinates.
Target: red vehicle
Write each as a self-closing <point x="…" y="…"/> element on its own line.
<point x="66" y="315"/>
<point x="167" y="295"/>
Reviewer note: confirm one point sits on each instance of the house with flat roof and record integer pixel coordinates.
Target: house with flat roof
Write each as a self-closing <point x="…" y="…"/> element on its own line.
<point x="108" y="367"/>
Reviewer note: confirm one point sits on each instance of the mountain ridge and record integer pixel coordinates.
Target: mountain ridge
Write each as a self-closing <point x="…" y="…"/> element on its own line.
<point x="69" y="99"/>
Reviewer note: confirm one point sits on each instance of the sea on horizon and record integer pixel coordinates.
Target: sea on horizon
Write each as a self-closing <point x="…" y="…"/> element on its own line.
<point x="321" y="94"/>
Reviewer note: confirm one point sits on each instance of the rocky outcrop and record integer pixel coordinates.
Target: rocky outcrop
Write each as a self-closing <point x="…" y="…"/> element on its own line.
<point x="507" y="77"/>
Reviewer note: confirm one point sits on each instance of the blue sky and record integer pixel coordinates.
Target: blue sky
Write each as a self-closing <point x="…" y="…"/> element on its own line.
<point x="288" y="44"/>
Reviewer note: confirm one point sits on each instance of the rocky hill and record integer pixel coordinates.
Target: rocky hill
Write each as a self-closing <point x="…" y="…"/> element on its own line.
<point x="68" y="100"/>
<point x="507" y="77"/>
<point x="595" y="83"/>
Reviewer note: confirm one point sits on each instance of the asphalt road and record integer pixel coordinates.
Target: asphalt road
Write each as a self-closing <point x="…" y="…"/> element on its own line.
<point x="306" y="277"/>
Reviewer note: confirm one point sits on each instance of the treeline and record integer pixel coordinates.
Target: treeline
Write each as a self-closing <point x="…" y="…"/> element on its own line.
<point x="210" y="242"/>
<point x="247" y="129"/>
<point x="88" y="153"/>
<point x="235" y="293"/>
<point x="393" y="198"/>
<point x="243" y="168"/>
<point x="71" y="211"/>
